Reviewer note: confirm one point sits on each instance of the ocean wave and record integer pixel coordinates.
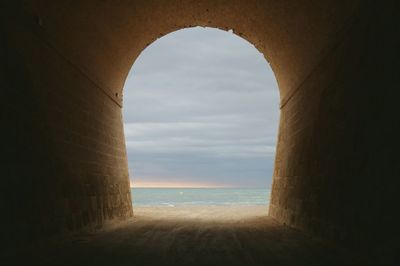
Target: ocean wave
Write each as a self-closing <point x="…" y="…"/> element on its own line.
<point x="167" y="204"/>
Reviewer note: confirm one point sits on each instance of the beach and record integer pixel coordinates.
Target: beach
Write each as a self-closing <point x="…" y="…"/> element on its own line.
<point x="202" y="213"/>
<point x="188" y="235"/>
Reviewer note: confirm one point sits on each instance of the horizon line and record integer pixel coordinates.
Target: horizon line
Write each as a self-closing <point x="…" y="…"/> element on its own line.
<point x="195" y="187"/>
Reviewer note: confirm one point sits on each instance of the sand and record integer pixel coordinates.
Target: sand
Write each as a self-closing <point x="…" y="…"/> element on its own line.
<point x="202" y="213"/>
<point x="200" y="235"/>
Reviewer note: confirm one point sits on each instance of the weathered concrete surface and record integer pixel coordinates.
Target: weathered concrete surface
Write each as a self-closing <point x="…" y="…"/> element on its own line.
<point x="62" y="72"/>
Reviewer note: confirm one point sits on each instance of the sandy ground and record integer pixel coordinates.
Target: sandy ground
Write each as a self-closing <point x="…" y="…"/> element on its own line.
<point x="203" y="213"/>
<point x="200" y="235"/>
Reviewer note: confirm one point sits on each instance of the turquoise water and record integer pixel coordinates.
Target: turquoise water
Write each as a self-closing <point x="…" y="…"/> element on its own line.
<point x="199" y="196"/>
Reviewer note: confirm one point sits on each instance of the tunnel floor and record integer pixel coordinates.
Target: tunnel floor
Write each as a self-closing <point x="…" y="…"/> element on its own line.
<point x="187" y="236"/>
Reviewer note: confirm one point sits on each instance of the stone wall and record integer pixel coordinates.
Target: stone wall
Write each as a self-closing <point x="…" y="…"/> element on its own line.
<point x="64" y="164"/>
<point x="336" y="162"/>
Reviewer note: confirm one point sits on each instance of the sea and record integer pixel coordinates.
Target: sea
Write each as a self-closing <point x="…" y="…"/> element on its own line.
<point x="175" y="197"/>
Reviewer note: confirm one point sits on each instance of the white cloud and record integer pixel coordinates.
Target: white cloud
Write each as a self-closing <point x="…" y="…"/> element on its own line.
<point x="198" y="100"/>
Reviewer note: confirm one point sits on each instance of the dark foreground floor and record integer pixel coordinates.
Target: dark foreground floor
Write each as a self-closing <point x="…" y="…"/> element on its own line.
<point x="192" y="240"/>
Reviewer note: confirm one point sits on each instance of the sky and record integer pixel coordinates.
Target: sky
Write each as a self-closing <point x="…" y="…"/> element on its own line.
<point x="201" y="109"/>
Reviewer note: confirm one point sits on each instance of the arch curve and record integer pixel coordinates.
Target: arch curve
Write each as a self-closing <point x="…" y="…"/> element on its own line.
<point x="293" y="46"/>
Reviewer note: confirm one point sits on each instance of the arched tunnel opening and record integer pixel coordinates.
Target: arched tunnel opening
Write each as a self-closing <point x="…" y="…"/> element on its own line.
<point x="201" y="110"/>
<point x="64" y="165"/>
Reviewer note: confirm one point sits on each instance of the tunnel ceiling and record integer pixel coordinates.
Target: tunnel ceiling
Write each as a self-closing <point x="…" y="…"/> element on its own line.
<point x="103" y="38"/>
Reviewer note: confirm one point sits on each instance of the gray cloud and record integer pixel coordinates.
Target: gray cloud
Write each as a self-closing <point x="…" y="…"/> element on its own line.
<point x="201" y="105"/>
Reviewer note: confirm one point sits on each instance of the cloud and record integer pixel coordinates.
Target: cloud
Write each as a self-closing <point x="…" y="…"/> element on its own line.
<point x="212" y="139"/>
<point x="201" y="105"/>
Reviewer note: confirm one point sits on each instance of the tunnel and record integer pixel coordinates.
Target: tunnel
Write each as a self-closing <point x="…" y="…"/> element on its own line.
<point x="64" y="64"/>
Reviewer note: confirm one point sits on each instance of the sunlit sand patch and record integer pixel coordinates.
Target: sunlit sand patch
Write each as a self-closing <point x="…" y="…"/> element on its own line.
<point x="203" y="212"/>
